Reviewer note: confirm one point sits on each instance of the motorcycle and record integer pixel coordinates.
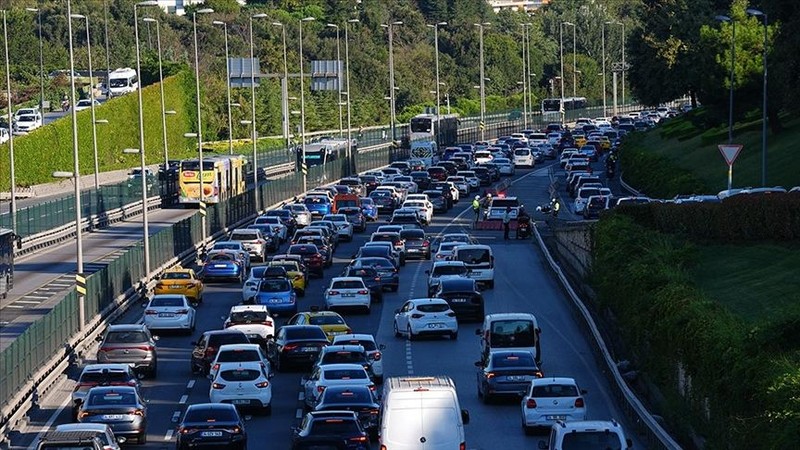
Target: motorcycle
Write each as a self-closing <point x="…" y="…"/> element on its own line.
<point x="523" y="227"/>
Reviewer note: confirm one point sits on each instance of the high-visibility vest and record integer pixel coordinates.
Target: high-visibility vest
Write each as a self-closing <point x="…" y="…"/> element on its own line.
<point x="557" y="206"/>
<point x="476" y="205"/>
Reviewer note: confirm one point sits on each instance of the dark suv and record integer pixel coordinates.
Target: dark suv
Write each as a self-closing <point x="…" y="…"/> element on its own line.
<point x="206" y="348"/>
<point x="463" y="296"/>
<point x="211" y="424"/>
<point x="296" y="344"/>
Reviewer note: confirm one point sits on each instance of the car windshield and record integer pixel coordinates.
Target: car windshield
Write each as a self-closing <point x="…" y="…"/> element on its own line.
<point x="433" y="308"/>
<point x="343" y="358"/>
<point x="591" y="440"/>
<point x="248" y="317"/>
<point x="238" y="355"/>
<point x="210" y="415"/>
<point x="126" y="337"/>
<point x="221" y="257"/>
<point x="115" y="376"/>
<point x="349" y="284"/>
<point x="474" y="256"/>
<point x="176" y="276"/>
<point x="555" y="390"/>
<point x="326" y="319"/>
<point x="346" y="396"/>
<point x="240" y="374"/>
<point x="274" y="285"/>
<point x="227" y="246"/>
<point x="111" y="398"/>
<point x="513" y="360"/>
<point x="167" y="301"/>
<point x="448" y="246"/>
<point x="381" y="263"/>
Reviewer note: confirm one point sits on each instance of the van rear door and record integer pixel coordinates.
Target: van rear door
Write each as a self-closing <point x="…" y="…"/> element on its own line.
<point x="438" y="418"/>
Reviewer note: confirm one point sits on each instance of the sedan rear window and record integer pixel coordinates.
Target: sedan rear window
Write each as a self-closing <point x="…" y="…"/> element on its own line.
<point x="210" y="415"/>
<point x="243" y="236"/>
<point x="343" y="358"/>
<point x="350" y="284"/>
<point x="167" y="302"/>
<point x="336" y="427"/>
<point x="305" y="333"/>
<point x="176" y="276"/>
<point x="326" y="320"/>
<point x="240" y="375"/>
<point x="274" y="285"/>
<point x="107" y="377"/>
<point x="111" y="398"/>
<point x="514" y="360"/>
<point x="248" y="317"/>
<point x="215" y="340"/>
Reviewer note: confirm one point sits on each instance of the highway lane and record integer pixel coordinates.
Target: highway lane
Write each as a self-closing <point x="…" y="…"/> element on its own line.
<point x="524" y="283"/>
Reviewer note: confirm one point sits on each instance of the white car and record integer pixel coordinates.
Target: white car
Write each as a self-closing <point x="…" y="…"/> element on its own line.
<point x="252" y="320"/>
<point x="243" y="384"/>
<point x="25" y="112"/>
<point x="229" y="354"/>
<point x="445" y="250"/>
<point x="454" y="191"/>
<point x="343" y="227"/>
<point x="483" y="157"/>
<point x="523" y="157"/>
<point x="102" y="430"/>
<point x="253" y="241"/>
<point x="424" y="209"/>
<point x="334" y="375"/>
<point x="278" y="228"/>
<point x="460" y="183"/>
<point x="459" y="237"/>
<point x="582" y="197"/>
<point x="389" y="229"/>
<point x="85" y="104"/>
<point x="169" y="312"/>
<point x="471" y="177"/>
<point x="552" y="399"/>
<point x="373" y="350"/>
<point x="250" y="286"/>
<point x="418" y="197"/>
<point x="348" y="292"/>
<point x="441" y="270"/>
<point x="425" y="316"/>
<point x="504" y="166"/>
<point x="28" y="122"/>
<point x="235" y="247"/>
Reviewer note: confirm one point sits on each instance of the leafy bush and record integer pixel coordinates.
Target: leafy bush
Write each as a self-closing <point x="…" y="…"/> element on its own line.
<point x="656" y="175"/>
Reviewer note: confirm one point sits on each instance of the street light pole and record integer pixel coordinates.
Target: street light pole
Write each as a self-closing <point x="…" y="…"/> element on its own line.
<point x="390" y="28"/>
<point x="436" y="56"/>
<point x="350" y="160"/>
<point x="723" y="18"/>
<point x="763" y="16"/>
<point x="603" y="38"/>
<point x="338" y="58"/>
<point x="304" y="167"/>
<point x="254" y="134"/>
<point x="41" y="58"/>
<point x="525" y="71"/>
<point x="529" y="74"/>
<point x="227" y="84"/>
<point x="164" y="111"/>
<point x="108" y="53"/>
<point x="91" y="101"/>
<point x="199" y="121"/>
<point x="624" y="68"/>
<point x="13" y="204"/>
<point x="483" y="83"/>
<point x="574" y="62"/>
<point x="285" y="94"/>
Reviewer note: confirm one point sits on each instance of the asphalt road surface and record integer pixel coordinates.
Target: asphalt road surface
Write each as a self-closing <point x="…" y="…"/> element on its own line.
<point x="523" y="283"/>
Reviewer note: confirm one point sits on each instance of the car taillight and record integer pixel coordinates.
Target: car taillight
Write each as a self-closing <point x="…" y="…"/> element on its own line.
<point x="182" y="311"/>
<point x="84" y="414"/>
<point x="372" y="387"/>
<point x="289" y="347"/>
<point x="538" y="374"/>
<point x="183" y="430"/>
<point x="320" y="389"/>
<point x="333" y="292"/>
<point x="150" y="312"/>
<point x="359" y="439"/>
<point x="160" y="285"/>
<point x="137" y="412"/>
<point x="462" y="446"/>
<point x="377" y="356"/>
<point x="104" y="349"/>
<point x="363" y="292"/>
<point x="216" y="367"/>
<point x="298" y="277"/>
<point x="349" y="331"/>
<point x="417" y="316"/>
<point x="377" y="278"/>
<point x="426" y="244"/>
<point x="451" y="314"/>
<point x="383" y="447"/>
<point x="267" y="323"/>
<point x="531" y="403"/>
<point x="579" y="402"/>
<point x="490" y="375"/>
<point x="263" y="384"/>
<point x="233" y="430"/>
<point x="217" y="386"/>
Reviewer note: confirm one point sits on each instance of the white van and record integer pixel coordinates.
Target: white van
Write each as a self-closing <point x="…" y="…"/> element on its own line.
<point x="122" y="81"/>
<point x="523" y="157"/>
<point x="479" y="259"/>
<point x="510" y="331"/>
<point x="420" y="413"/>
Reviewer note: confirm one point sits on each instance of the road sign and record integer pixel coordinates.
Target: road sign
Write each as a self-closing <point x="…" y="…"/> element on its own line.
<point x="730" y="152"/>
<point x="80" y="281"/>
<point x="482" y="125"/>
<point x="304" y="168"/>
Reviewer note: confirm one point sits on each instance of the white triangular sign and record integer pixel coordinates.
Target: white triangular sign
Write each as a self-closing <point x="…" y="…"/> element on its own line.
<point x="730" y="152"/>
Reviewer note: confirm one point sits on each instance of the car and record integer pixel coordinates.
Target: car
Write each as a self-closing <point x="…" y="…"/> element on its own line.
<point x="504" y="166"/>
<point x="318" y="205"/>
<point x="348" y="292"/>
<point x="344" y="228"/>
<point x="323" y="246"/>
<point x="272" y="241"/>
<point x="361" y="400"/>
<point x="252" y="241"/>
<point x="170" y="312"/>
<point x="131" y="344"/>
<point x="324" y="376"/>
<point x="515" y="331"/>
<point x="312" y="257"/>
<point x="417" y="244"/>
<point x="254" y="321"/>
<point x="335" y="430"/>
<point x="373" y="351"/>
<point x="250" y="285"/>
<point x="383" y="201"/>
<point x="120" y="407"/>
<point x="407" y="217"/>
<point x="294" y="271"/>
<point x="586" y="434"/>
<point x="300" y="213"/>
<point x="242" y="255"/>
<point x="331" y="322"/>
<point x="369" y="208"/>
<point x="223" y="264"/>
<point x="479" y="259"/>
<point x="296" y="345"/>
<point x="26" y="123"/>
<point x="205" y="349"/>
<point x="458" y="237"/>
<point x="231" y="354"/>
<point x="506" y="373"/>
<point x="102" y="431"/>
<point x="243" y="384"/>
<point x="387" y="271"/>
<point x="276" y="223"/>
<point x="356" y="217"/>
<point x="180" y="280"/>
<point x="549" y="400"/>
<point x="85" y="103"/>
<point x="101" y="375"/>
<point x="444" y="269"/>
<point x="344" y="354"/>
<point x="425" y="316"/>
<point x="287" y="217"/>
<point x="277" y="294"/>
<point x="595" y="204"/>
<point x="462" y="295"/>
<point x="211" y="424"/>
<point x="380" y="249"/>
<point x="395" y="239"/>
<point x="445" y="250"/>
<point x="424" y="210"/>
<point x="439" y="200"/>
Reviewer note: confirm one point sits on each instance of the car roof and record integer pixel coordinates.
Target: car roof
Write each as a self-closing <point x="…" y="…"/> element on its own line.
<point x="553" y="380"/>
<point x="458" y="282"/>
<point x="343" y="348"/>
<point x="226" y="331"/>
<point x="343" y="366"/>
<point x="428" y="300"/>
<point x="346" y="279"/>
<point x="449" y="263"/>
<point x="237" y="347"/>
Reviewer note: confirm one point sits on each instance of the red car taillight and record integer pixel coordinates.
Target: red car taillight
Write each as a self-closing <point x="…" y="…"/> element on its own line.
<point x="377" y="356"/>
<point x="217" y="386"/>
<point x="150" y="312"/>
<point x="531" y="403"/>
<point x="333" y="292"/>
<point x="579" y="402"/>
<point x="363" y="292"/>
<point x="263" y="384"/>
<point x="289" y="347"/>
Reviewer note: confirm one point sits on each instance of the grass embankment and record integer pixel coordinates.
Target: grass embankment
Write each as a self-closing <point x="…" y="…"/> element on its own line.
<point x="681" y="157"/>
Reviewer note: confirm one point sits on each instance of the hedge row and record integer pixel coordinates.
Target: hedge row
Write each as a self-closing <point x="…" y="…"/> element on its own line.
<point x="744" y="382"/>
<point x="49" y="149"/>
<point x="655" y="175"/>
<point x="774" y="217"/>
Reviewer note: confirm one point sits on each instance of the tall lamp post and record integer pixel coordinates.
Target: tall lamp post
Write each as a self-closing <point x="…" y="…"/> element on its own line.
<point x="351" y="161"/>
<point x="574" y="61"/>
<point x="254" y="134"/>
<point x="108" y="53"/>
<point x="724" y="18"/>
<point x="199" y="133"/>
<point x="286" y="130"/>
<point x="390" y="27"/>
<point x="13" y="204"/>
<point x="763" y="16"/>
<point x="603" y="38"/>
<point x="304" y="167"/>
<point x="529" y="74"/>
<point x="561" y="54"/>
<point x="436" y="53"/>
<point x="338" y="58"/>
<point x="224" y="26"/>
<point x="41" y="57"/>
<point x="524" y="83"/>
<point x="483" y="81"/>
<point x="624" y="68"/>
<point x="164" y="111"/>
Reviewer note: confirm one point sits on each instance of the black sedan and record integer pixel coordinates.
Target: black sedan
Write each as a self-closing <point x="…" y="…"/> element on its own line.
<point x="438" y="200"/>
<point x="372" y="280"/>
<point x="390" y="278"/>
<point x="296" y="344"/>
<point x="463" y="296"/>
<point x="211" y="424"/>
<point x="328" y="429"/>
<point x="359" y="399"/>
<point x="422" y="178"/>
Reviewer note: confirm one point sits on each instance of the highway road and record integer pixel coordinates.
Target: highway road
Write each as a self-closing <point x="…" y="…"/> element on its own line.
<point x="523" y="283"/>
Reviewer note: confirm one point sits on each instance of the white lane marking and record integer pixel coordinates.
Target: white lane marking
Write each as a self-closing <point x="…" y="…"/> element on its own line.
<point x="176" y="415"/>
<point x="49" y="423"/>
<point x="190" y="384"/>
<point x="15" y="306"/>
<point x="168" y="435"/>
<point x="60" y="284"/>
<point x="298" y="414"/>
<point x="301" y="396"/>
<point x="28" y="302"/>
<point x="43" y="297"/>
<point x="183" y="399"/>
<point x="409" y="359"/>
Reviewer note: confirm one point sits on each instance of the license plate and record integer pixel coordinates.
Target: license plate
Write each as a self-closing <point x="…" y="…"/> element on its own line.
<point x="176" y="286"/>
<point x="435" y="325"/>
<point x="275" y="300"/>
<point x="556" y="417"/>
<point x="240" y="402"/>
<point x="459" y="300"/>
<point x="211" y="434"/>
<point x="515" y="378"/>
<point x="113" y="417"/>
<point x="220" y="266"/>
<point x="334" y="333"/>
<point x="309" y="349"/>
<point x="348" y="295"/>
<point x="166" y="315"/>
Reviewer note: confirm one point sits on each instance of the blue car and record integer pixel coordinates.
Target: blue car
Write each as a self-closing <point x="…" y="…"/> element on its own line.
<point x="369" y="209"/>
<point x="318" y="205"/>
<point x="277" y="294"/>
<point x="222" y="264"/>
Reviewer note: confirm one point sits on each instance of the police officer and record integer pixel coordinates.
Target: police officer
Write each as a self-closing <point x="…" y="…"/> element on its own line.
<point x="556" y="207"/>
<point x="476" y="207"/>
<point x="506" y="222"/>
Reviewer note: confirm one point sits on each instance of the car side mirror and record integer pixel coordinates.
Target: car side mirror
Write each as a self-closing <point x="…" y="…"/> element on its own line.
<point x="465" y="416"/>
<point x="542" y="445"/>
<point x="155" y="338"/>
<point x="99" y="339"/>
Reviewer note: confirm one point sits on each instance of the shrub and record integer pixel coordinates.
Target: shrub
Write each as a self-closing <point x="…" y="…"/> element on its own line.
<point x="654" y="174"/>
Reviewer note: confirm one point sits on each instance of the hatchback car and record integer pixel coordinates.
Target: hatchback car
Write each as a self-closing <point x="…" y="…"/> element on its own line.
<point x="442" y="269"/>
<point x="328" y="375"/>
<point x="349" y="292"/>
<point x="232" y="354"/>
<point x="130" y="344"/>
<point x="94" y="375"/>
<point x="120" y="407"/>
<point x="252" y="241"/>
<point x="179" y="280"/>
<point x="417" y="244"/>
<point x="244" y="384"/>
<point x="344" y="229"/>
<point x="223" y="265"/>
<point x="205" y="348"/>
<point x="296" y="344"/>
<point x="169" y="312"/>
<point x="277" y="294"/>
<point x="506" y="372"/>
<point x="211" y="424"/>
<point x="345" y="354"/>
<point x="330" y="430"/>
<point x="425" y="317"/>
<point x="548" y="400"/>
<point x="252" y="320"/>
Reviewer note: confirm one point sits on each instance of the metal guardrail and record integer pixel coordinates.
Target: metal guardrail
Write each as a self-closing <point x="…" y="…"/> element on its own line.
<point x="656" y="436"/>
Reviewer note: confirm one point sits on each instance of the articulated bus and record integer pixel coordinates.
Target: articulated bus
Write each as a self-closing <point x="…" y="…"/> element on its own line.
<point x="322" y="152"/>
<point x="552" y="108"/>
<point x="431" y="133"/>
<point x="223" y="178"/>
<point x="7" y="240"/>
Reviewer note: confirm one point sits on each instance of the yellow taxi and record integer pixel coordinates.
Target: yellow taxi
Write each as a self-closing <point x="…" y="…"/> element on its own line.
<point x="332" y="323"/>
<point x="295" y="273"/>
<point x="579" y="139"/>
<point x="181" y="281"/>
<point x="605" y="141"/>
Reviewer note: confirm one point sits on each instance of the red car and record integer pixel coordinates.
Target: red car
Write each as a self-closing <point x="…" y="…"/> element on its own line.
<point x="311" y="257"/>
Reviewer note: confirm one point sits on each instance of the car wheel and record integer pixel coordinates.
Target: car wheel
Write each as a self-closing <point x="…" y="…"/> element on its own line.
<point x="526" y="429"/>
<point x="267" y="410"/>
<point x="396" y="331"/>
<point x="454" y="335"/>
<point x="142" y="439"/>
<point x="409" y="333"/>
